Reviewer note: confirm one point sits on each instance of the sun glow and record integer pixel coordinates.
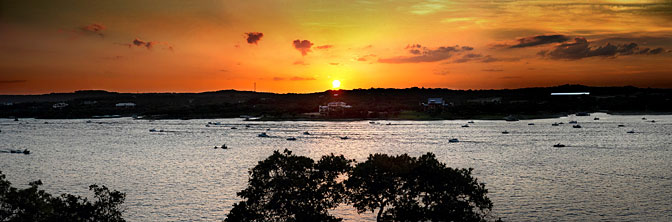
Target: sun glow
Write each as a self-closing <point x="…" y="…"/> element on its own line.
<point x="336" y="83"/>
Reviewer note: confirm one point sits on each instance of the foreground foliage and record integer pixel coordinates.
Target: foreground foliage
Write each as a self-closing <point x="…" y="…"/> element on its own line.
<point x="286" y="187"/>
<point x="33" y="204"/>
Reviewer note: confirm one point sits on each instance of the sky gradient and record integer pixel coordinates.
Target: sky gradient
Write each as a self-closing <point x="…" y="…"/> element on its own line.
<point x="302" y="46"/>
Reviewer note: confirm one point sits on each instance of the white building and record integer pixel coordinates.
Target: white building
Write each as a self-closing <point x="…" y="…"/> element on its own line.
<point x="59" y="105"/>
<point x="334" y="108"/>
<point x="129" y="105"/>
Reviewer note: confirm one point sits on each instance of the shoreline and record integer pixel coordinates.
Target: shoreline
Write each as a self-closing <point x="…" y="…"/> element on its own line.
<point x="423" y="118"/>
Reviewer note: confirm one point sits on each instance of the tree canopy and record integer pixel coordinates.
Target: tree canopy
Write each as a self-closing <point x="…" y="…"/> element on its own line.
<point x="287" y="187"/>
<point x="33" y="204"/>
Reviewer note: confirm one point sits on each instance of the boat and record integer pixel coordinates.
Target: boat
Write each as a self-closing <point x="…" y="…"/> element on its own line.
<point x="596" y="118"/>
<point x="152" y="130"/>
<point x="345" y="137"/>
<point x="453" y="140"/>
<point x="631" y="131"/>
<point x="388" y="124"/>
<point x="653" y="121"/>
<point x="224" y="146"/>
<point x="573" y="122"/>
<point x="465" y="125"/>
<point x="306" y="133"/>
<point x="234" y="127"/>
<point x="372" y="122"/>
<point x="561" y="123"/>
<point x="291" y="138"/>
<point x="262" y="135"/>
<point x="559" y="145"/>
<point x="643" y="118"/>
<point x="530" y="124"/>
<point x="621" y="125"/>
<point x="505" y="132"/>
<point x="88" y="121"/>
<point x="470" y="122"/>
<point x="555" y="124"/>
<point x="576" y="126"/>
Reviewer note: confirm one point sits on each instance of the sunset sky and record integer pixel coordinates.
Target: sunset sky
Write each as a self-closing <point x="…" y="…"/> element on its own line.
<point x="303" y="46"/>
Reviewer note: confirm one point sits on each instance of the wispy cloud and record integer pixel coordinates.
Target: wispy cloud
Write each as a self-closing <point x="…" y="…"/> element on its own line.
<point x="324" y="47"/>
<point x="13" y="81"/>
<point x="533" y="41"/>
<point x="96" y="29"/>
<point x="293" y="78"/>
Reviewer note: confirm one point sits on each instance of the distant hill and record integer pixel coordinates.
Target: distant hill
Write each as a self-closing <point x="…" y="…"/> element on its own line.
<point x="365" y="103"/>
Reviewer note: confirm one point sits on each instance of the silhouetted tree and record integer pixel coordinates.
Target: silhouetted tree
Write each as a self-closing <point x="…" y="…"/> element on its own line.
<point x="286" y="187"/>
<point x="403" y="188"/>
<point x="33" y="204"/>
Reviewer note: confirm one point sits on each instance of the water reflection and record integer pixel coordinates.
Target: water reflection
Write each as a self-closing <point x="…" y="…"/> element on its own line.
<point x="603" y="173"/>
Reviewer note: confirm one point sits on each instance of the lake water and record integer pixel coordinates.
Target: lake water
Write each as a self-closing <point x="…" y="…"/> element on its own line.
<point x="603" y="174"/>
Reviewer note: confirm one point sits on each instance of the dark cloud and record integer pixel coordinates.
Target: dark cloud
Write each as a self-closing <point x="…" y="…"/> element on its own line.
<point x="471" y="57"/>
<point x="93" y="29"/>
<point x="424" y="54"/>
<point x="581" y="48"/>
<point x="303" y="46"/>
<point x="535" y="41"/>
<point x="254" y="37"/>
<point x="278" y="79"/>
<point x="148" y="44"/>
<point x="324" y="47"/>
<point x="14" y="81"/>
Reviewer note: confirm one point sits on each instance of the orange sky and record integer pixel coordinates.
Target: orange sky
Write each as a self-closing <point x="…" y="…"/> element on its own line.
<point x="207" y="45"/>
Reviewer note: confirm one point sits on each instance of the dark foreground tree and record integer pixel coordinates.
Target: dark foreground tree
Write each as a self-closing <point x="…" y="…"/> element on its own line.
<point x="403" y="188"/>
<point x="286" y="187"/>
<point x="33" y="204"/>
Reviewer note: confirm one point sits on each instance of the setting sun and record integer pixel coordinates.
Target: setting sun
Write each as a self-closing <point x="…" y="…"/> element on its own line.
<point x="336" y="83"/>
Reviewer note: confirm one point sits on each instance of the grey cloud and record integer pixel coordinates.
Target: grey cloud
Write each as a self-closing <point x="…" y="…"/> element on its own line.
<point x="539" y="40"/>
<point x="424" y="54"/>
<point x="303" y="46"/>
<point x="581" y="48"/>
<point x="253" y="37"/>
<point x="14" y="81"/>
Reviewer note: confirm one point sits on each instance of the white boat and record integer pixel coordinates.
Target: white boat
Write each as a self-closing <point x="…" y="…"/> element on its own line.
<point x="453" y="140"/>
<point x="263" y="135"/>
